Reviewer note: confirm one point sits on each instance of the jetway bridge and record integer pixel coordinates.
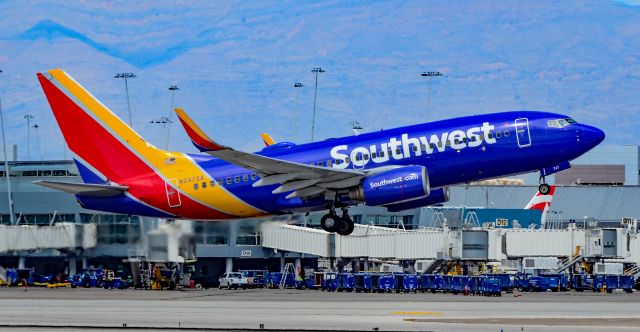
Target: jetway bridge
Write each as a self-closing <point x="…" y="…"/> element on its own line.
<point x="466" y="244"/>
<point x="57" y="236"/>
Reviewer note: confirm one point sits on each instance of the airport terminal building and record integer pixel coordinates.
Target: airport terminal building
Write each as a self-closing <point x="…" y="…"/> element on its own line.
<point x="602" y="186"/>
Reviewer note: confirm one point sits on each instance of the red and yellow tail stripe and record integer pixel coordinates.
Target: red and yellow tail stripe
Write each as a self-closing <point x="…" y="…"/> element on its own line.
<point x="109" y="145"/>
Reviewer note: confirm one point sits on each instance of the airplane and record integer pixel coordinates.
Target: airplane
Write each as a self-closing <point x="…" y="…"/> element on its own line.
<point x="401" y="168"/>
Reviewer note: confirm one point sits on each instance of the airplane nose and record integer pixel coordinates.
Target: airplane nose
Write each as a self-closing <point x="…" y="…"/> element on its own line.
<point x="592" y="136"/>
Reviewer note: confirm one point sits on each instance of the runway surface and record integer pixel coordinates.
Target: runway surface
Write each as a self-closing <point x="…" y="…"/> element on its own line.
<point x="108" y="310"/>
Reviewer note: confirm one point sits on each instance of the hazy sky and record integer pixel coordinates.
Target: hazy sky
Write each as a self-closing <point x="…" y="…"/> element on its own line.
<point x="236" y="63"/>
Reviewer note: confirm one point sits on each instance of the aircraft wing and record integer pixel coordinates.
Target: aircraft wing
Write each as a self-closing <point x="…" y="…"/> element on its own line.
<point x="85" y="189"/>
<point x="304" y="180"/>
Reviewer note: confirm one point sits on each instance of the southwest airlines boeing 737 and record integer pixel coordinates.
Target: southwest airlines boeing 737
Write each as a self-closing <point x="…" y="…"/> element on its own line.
<point x="400" y="169"/>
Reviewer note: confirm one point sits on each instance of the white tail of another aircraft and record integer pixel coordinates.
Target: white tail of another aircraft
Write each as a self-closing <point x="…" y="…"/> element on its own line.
<point x="541" y="202"/>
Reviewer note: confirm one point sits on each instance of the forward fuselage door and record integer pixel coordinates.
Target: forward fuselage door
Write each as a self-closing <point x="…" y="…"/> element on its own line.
<point x="173" y="194"/>
<point x="523" y="136"/>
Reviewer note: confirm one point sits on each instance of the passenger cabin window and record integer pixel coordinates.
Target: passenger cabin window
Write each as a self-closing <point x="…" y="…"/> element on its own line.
<point x="195" y="186"/>
<point x="245" y="178"/>
<point x="213" y="183"/>
<point x="253" y="176"/>
<point x="228" y="180"/>
<point x="506" y="133"/>
<point x="204" y="185"/>
<point x="236" y="179"/>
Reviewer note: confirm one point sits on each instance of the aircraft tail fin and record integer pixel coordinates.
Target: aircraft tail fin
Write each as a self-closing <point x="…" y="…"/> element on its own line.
<point x="104" y="147"/>
<point x="541" y="202"/>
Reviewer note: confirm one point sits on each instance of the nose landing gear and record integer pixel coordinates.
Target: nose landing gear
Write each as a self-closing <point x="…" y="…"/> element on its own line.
<point x="544" y="188"/>
<point x="330" y="222"/>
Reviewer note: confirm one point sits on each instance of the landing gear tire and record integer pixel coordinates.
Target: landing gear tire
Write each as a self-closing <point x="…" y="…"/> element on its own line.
<point x="345" y="227"/>
<point x="329" y="222"/>
<point x="544" y="188"/>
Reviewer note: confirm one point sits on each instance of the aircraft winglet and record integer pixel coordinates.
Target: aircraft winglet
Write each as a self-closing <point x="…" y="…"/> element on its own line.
<point x="197" y="136"/>
<point x="267" y="139"/>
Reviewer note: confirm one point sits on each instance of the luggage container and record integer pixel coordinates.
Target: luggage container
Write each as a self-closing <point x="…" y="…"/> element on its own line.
<point x="432" y="282"/>
<point x="505" y="281"/>
<point x="330" y="282"/>
<point x="385" y="283"/>
<point x="362" y="282"/>
<point x="458" y="284"/>
<point x="626" y="283"/>
<point x="521" y="282"/>
<point x="346" y="282"/>
<point x="406" y="283"/>
<point x="582" y="282"/>
<point x="255" y="278"/>
<point x="410" y="283"/>
<point x="475" y="285"/>
<point x="490" y="286"/>
<point x="305" y="283"/>
<point x="446" y="284"/>
<point x="553" y="282"/>
<point x="274" y="279"/>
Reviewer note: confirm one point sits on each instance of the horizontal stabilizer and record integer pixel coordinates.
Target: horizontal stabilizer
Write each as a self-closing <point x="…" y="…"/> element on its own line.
<point x="84" y="189"/>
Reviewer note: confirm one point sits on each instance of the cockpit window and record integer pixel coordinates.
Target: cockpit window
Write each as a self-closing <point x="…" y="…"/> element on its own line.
<point x="560" y="123"/>
<point x="553" y="124"/>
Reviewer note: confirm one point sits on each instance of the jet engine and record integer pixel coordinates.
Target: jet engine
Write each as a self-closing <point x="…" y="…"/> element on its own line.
<point x="393" y="186"/>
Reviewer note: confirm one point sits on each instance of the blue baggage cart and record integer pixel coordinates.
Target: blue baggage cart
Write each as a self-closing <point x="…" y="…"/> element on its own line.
<point x="346" y="282"/>
<point x="475" y="285"/>
<point x="505" y="280"/>
<point x="330" y="282"/>
<point x="521" y="282"/>
<point x="581" y="282"/>
<point x="458" y="284"/>
<point x="385" y="283"/>
<point x="545" y="282"/>
<point x="410" y="283"/>
<point x="305" y="283"/>
<point x="362" y="282"/>
<point x="446" y="283"/>
<point x="491" y="286"/>
<point x="626" y="283"/>
<point x="435" y="283"/>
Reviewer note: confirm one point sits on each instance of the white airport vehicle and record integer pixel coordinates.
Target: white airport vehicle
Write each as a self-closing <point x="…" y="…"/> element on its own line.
<point x="233" y="280"/>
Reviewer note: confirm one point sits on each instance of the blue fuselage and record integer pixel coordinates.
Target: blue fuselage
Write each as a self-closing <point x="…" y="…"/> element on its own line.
<point x="454" y="151"/>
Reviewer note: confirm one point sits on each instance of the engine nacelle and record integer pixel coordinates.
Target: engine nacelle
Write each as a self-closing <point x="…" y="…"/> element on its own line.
<point x="394" y="186"/>
<point x="436" y="196"/>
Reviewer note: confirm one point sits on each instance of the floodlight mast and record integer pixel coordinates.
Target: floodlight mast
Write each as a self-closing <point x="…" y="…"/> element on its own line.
<point x="297" y="87"/>
<point x="6" y="167"/>
<point x="316" y="70"/>
<point x="431" y="75"/>
<point x="126" y="76"/>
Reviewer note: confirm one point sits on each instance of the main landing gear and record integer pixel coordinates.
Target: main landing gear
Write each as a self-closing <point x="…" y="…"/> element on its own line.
<point x="544" y="188"/>
<point x="330" y="222"/>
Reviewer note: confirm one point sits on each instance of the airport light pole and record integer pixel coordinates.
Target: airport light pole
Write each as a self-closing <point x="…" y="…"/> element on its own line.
<point x="165" y="121"/>
<point x="28" y="117"/>
<point x="6" y="167"/>
<point x="35" y="128"/>
<point x="173" y="90"/>
<point x="297" y="87"/>
<point x="430" y="75"/>
<point x="126" y="76"/>
<point x="316" y="70"/>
